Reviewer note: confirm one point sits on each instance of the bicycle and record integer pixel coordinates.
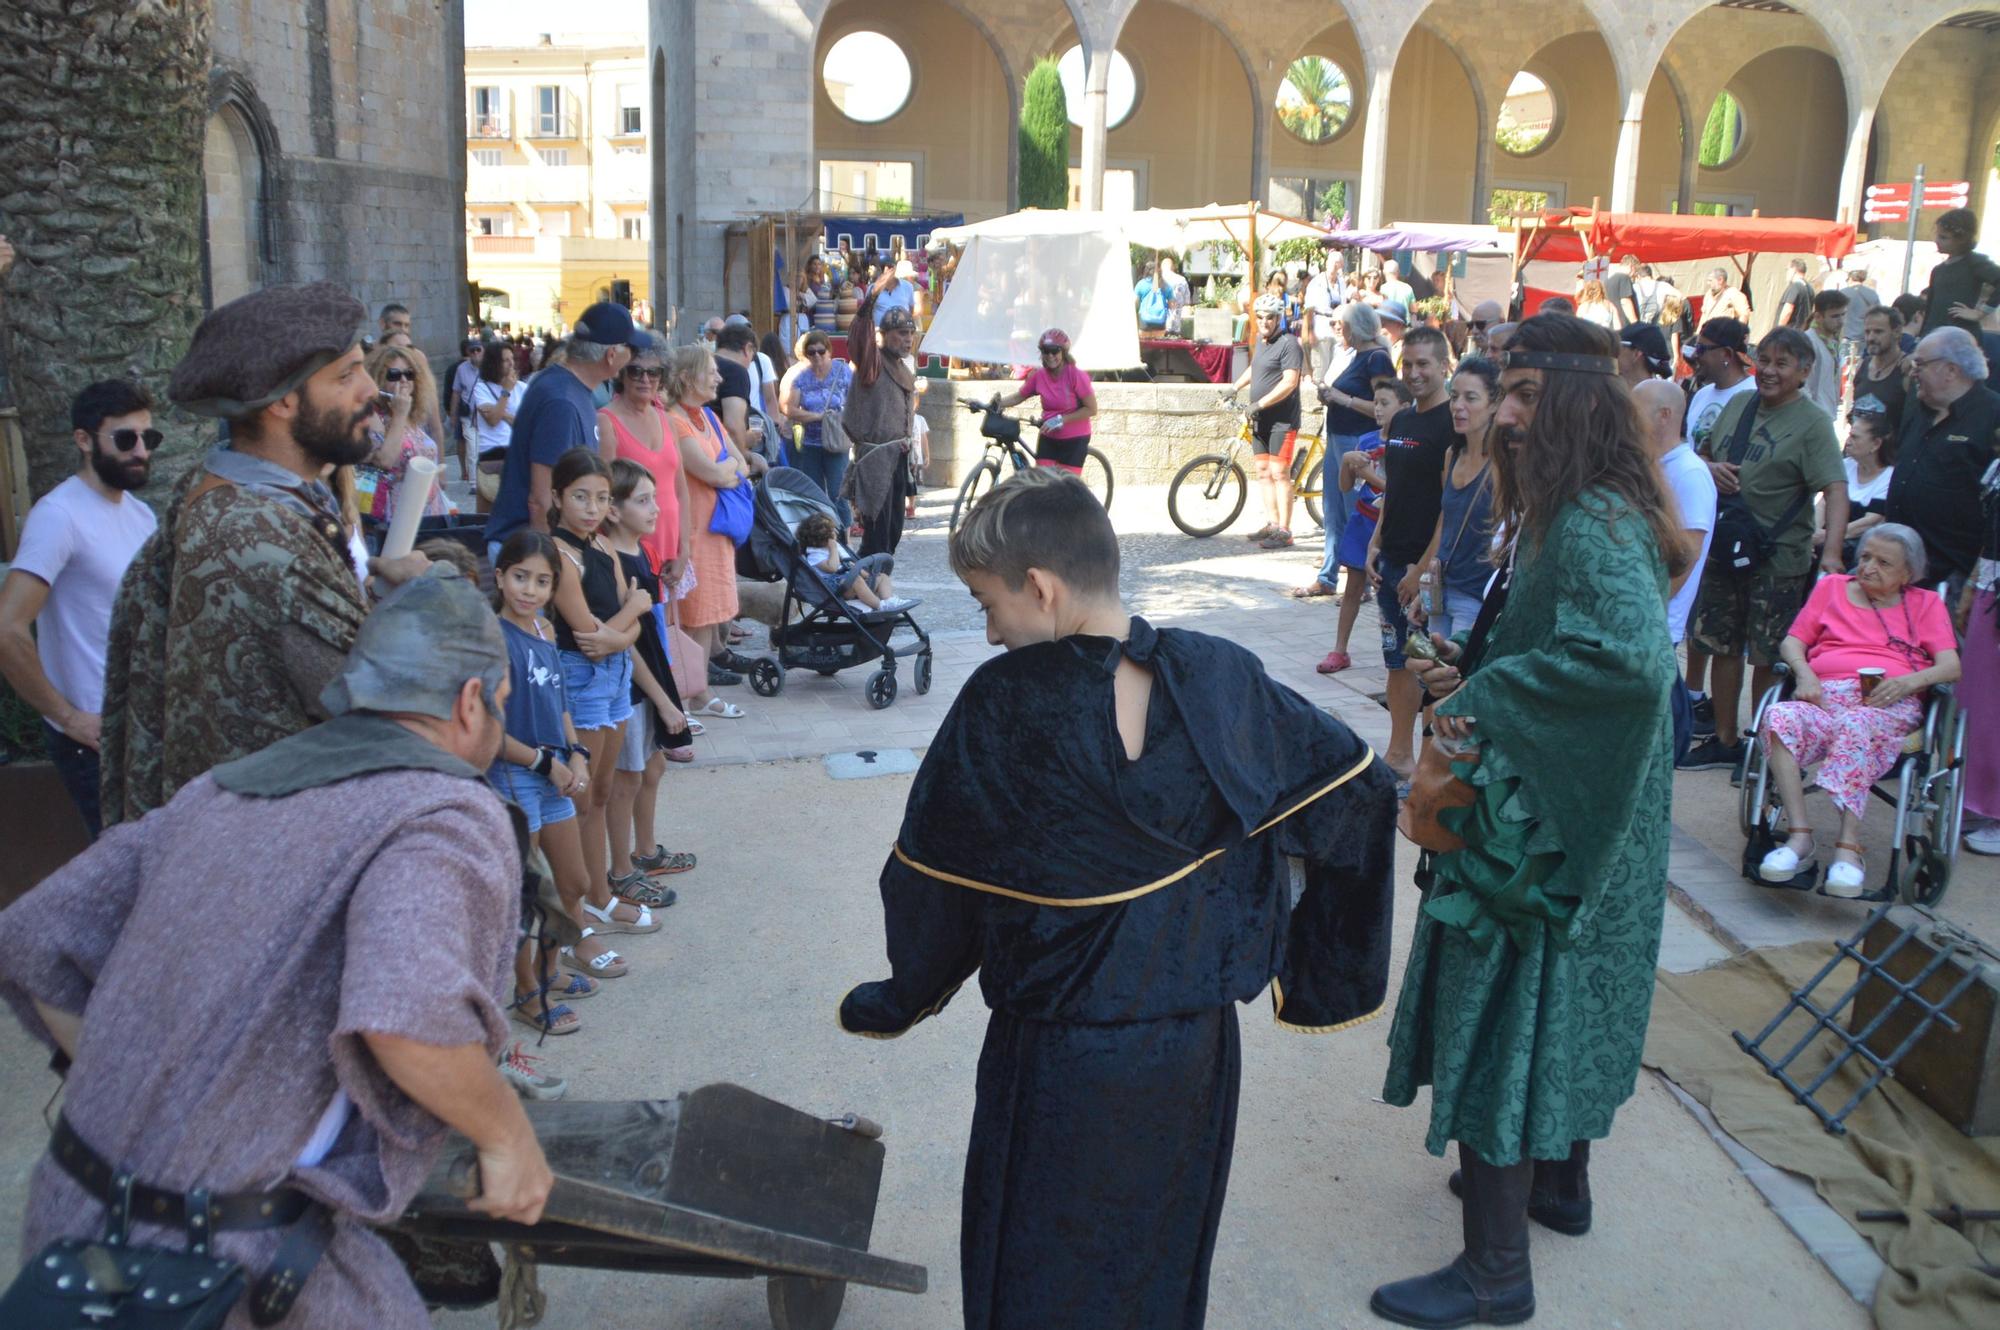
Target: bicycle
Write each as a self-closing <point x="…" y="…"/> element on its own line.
<point x="1208" y="493"/>
<point x="1002" y="433"/>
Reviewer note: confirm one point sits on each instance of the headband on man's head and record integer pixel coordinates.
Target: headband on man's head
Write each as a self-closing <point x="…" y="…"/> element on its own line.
<point x="1561" y="360"/>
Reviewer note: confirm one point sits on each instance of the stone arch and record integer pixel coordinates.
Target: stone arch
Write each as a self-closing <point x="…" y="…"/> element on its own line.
<point x="1434" y="112"/>
<point x="1909" y="129"/>
<point x="956" y="131"/>
<point x="240" y="196"/>
<point x="1185" y="61"/>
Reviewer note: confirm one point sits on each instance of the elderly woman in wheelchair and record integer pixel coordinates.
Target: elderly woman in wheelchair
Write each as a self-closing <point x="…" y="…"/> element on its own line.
<point x="1861" y="653"/>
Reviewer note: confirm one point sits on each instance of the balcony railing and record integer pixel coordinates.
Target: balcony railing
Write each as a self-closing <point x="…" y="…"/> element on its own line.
<point x="503" y="244"/>
<point x="487" y="127"/>
<point x="557" y="125"/>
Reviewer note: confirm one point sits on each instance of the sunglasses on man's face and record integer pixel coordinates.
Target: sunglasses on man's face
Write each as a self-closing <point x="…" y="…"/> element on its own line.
<point x="1481" y="325"/>
<point x="817" y="351"/>
<point x="400" y="376"/>
<point x="125" y="440"/>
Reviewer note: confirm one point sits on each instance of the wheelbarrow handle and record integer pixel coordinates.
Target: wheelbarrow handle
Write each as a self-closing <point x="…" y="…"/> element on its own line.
<point x="859" y="1125"/>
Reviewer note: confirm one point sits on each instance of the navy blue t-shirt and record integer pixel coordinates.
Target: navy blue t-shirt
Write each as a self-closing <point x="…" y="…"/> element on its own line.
<point x="536" y="705"/>
<point x="556" y="415"/>
<point x="1362" y="370"/>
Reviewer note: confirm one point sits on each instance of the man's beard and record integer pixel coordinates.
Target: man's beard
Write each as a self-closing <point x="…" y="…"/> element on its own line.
<point x="329" y="436"/>
<point x="1509" y="437"/>
<point x="121" y="471"/>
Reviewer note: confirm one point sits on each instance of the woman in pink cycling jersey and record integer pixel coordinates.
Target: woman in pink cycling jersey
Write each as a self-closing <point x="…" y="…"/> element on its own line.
<point x="1067" y="401"/>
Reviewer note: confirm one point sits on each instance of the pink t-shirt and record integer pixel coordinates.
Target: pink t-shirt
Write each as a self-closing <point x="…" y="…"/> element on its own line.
<point x="1841" y="638"/>
<point x="1060" y="393"/>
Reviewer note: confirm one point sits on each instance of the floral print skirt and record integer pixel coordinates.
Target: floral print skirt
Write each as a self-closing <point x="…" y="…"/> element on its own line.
<point x="1853" y="745"/>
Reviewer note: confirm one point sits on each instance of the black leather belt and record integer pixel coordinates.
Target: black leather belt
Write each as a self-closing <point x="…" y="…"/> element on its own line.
<point x="274" y="1292"/>
<point x="155" y="1205"/>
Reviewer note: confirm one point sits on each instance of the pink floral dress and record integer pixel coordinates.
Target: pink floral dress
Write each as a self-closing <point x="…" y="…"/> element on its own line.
<point x="1853" y="745"/>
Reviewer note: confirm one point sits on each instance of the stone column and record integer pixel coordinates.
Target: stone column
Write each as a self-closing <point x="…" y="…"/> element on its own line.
<point x="1369" y="209"/>
<point x="1096" y="95"/>
<point x="1625" y="164"/>
<point x="1260" y="145"/>
<point x="1854" y="165"/>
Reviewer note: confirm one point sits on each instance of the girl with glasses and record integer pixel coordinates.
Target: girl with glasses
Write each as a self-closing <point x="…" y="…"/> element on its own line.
<point x="406" y="377"/>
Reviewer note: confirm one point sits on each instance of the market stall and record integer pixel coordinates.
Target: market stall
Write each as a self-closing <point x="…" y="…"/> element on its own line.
<point x="1573" y="236"/>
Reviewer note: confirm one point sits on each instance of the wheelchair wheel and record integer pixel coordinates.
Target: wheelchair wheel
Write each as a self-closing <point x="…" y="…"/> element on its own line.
<point x="1930" y="852"/>
<point x="1751" y="799"/>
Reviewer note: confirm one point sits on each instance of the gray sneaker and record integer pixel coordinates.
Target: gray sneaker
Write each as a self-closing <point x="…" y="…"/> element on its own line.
<point x="1983" y="838"/>
<point x="522" y="1071"/>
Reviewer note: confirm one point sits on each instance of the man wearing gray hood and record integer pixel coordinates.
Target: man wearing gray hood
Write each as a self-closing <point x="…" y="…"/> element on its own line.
<point x="327" y="1067"/>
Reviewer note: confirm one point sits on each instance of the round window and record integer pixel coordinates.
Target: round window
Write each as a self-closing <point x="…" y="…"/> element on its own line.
<point x="1722" y="135"/>
<point x="1527" y="116"/>
<point x="1120" y="95"/>
<point x="867" y="77"/>
<point x="1315" y="99"/>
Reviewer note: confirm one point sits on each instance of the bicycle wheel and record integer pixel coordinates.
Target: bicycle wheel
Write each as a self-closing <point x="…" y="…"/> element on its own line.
<point x="1207" y="495"/>
<point x="1097" y="475"/>
<point x="980" y="482"/>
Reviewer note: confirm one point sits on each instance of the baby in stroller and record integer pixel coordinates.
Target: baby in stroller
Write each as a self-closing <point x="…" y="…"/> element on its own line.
<point x="864" y="584"/>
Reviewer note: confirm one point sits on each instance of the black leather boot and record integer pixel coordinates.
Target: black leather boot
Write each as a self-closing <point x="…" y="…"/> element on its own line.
<point x="1491" y="1282"/>
<point x="1560" y="1198"/>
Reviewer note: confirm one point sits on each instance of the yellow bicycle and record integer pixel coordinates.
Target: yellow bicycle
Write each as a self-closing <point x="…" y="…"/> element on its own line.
<point x="1208" y="493"/>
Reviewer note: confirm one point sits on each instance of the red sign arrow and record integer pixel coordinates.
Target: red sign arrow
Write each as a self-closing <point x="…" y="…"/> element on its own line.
<point x="1889" y="193"/>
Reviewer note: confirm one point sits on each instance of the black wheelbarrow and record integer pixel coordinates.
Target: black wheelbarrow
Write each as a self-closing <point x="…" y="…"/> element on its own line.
<point x="719" y="1182"/>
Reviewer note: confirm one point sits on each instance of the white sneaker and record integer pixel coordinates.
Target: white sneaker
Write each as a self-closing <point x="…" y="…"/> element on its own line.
<point x="521" y="1070"/>
<point x="1984" y="839"/>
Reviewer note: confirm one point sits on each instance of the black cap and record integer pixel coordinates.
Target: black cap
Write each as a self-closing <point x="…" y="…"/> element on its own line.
<point x="1729" y="334"/>
<point x="1650" y="342"/>
<point x="610" y="324"/>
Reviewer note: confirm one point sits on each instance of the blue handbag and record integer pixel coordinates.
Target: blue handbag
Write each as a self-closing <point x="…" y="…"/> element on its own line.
<point x="736" y="507"/>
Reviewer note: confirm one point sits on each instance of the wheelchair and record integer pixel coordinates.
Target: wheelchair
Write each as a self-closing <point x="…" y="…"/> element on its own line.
<point x="1926" y="787"/>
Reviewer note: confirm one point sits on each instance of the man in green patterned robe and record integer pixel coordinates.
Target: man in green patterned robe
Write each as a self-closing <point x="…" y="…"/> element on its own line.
<point x="242" y="606"/>
<point x="1530" y="979"/>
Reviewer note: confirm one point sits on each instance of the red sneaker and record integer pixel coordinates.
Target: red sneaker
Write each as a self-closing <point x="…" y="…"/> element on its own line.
<point x="1335" y="662"/>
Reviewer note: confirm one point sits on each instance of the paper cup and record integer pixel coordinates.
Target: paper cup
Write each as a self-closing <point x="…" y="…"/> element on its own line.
<point x="1869" y="677"/>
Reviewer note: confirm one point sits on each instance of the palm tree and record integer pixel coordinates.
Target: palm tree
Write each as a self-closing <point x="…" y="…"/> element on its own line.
<point x="101" y="192"/>
<point x="1315" y="99"/>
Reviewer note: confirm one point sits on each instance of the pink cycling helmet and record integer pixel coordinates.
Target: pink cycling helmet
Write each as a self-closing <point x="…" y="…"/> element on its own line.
<point x="1054" y="337"/>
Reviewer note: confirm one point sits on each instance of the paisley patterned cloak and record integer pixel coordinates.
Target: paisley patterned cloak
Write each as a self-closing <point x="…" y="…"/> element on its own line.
<point x="228" y="624"/>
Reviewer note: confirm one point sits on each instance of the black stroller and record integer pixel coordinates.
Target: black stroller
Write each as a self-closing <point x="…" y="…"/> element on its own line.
<point x="816" y="629"/>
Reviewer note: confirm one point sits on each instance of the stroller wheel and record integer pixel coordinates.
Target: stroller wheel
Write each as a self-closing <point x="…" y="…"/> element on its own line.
<point x="767" y="677"/>
<point x="881" y="689"/>
<point x="922" y="677"/>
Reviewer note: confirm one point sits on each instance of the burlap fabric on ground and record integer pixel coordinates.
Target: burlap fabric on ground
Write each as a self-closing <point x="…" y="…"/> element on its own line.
<point x="1897" y="1153"/>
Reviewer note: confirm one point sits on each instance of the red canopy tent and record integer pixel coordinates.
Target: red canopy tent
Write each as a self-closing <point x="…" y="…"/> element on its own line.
<point x="1575" y="234"/>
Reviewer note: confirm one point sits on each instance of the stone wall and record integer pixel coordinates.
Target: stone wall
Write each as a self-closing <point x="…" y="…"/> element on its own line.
<point x="359" y="117"/>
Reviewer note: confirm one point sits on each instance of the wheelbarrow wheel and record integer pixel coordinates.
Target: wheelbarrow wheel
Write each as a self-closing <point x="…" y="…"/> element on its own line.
<point x="800" y="1302"/>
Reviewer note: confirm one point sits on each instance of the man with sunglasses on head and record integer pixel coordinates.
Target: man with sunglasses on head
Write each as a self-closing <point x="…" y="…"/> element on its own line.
<point x="74" y="550"/>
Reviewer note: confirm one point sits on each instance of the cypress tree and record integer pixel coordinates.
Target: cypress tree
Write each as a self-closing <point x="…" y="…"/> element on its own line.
<point x="1044" y="139"/>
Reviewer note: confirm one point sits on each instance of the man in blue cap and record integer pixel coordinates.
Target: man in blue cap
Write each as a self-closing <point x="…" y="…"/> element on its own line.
<point x="558" y="413"/>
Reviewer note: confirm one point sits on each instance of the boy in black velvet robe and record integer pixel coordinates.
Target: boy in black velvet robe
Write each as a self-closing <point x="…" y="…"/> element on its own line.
<point x="1100" y="829"/>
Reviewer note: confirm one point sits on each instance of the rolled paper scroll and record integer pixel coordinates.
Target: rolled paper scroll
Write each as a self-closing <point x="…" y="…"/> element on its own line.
<point x="418" y="478"/>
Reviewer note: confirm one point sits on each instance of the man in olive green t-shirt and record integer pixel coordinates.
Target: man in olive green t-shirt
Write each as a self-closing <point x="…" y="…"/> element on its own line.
<point x="1791" y="455"/>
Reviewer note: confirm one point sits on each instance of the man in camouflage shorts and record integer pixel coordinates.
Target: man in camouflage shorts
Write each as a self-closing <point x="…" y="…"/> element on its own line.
<point x="1771" y="453"/>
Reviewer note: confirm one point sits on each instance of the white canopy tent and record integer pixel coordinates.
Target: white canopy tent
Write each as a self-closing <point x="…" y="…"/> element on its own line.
<point x="1038" y="269"/>
<point x="1021" y="274"/>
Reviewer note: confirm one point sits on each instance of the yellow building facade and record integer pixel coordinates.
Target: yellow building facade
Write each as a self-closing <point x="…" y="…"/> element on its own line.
<point x="557" y="177"/>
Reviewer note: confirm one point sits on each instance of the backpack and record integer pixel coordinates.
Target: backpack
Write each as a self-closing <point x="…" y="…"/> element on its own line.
<point x="1152" y="302"/>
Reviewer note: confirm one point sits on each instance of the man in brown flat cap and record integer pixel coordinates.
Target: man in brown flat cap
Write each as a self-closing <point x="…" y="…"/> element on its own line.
<point x="240" y="609"/>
